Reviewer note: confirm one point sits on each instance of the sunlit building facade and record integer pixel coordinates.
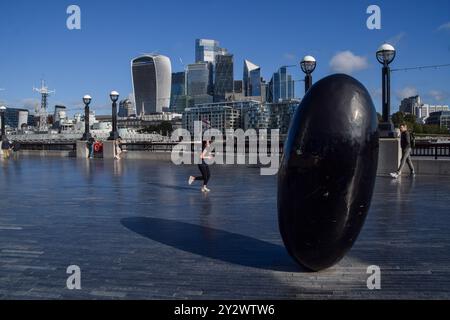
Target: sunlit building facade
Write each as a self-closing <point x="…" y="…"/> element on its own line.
<point x="151" y="75"/>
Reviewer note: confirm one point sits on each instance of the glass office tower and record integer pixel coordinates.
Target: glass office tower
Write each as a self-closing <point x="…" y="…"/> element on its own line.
<point x="206" y="50"/>
<point x="252" y="79"/>
<point x="151" y="75"/>
<point x="224" y="77"/>
<point x="198" y="79"/>
<point x="178" y="92"/>
<point x="282" y="85"/>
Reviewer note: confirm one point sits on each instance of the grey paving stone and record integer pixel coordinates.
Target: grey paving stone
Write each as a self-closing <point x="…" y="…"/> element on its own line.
<point x="138" y="231"/>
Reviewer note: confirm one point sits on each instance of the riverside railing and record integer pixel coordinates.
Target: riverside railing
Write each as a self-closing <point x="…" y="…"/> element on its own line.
<point x="422" y="149"/>
<point x="434" y="150"/>
<point x="168" y="146"/>
<point x="48" y="146"/>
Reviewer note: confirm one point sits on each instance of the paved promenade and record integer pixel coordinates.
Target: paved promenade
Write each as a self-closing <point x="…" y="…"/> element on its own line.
<point x="137" y="230"/>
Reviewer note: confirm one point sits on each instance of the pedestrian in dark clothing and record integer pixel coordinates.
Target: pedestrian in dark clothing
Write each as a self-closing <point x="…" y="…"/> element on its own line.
<point x="203" y="167"/>
<point x="15" y="149"/>
<point x="405" y="143"/>
<point x="90" y="145"/>
<point x="6" y="148"/>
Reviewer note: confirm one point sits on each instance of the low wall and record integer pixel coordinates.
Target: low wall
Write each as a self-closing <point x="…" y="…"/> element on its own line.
<point x="423" y="166"/>
<point x="47" y="153"/>
<point x="440" y="167"/>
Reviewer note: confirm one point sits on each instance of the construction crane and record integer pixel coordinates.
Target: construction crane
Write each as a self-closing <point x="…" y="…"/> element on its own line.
<point x="42" y="112"/>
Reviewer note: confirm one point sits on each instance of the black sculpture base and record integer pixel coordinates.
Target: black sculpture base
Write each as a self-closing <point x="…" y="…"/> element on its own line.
<point x="328" y="171"/>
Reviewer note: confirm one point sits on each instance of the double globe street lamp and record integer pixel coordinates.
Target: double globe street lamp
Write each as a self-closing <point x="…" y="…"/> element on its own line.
<point x="308" y="65"/>
<point x="385" y="55"/>
<point x="87" y="101"/>
<point x="114" y="135"/>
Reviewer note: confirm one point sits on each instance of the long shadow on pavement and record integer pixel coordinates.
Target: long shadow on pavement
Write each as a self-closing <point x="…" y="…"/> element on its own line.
<point x="168" y="186"/>
<point x="214" y="243"/>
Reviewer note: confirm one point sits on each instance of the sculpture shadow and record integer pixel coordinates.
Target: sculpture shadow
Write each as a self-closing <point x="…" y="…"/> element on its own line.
<point x="214" y="243"/>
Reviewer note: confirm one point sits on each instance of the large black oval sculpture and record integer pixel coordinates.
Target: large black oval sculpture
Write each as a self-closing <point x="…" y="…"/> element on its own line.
<point x="328" y="171"/>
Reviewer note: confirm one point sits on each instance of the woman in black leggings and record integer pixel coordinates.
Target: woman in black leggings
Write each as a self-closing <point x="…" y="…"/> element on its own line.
<point x="203" y="167"/>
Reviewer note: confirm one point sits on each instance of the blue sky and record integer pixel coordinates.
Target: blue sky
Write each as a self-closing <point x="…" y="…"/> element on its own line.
<point x="36" y="44"/>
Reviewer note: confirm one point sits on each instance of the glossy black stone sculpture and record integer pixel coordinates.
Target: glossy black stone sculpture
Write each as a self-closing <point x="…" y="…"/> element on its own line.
<point x="328" y="171"/>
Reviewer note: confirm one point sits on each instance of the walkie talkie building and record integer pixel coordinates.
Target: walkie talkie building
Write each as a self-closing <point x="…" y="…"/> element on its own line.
<point x="152" y="77"/>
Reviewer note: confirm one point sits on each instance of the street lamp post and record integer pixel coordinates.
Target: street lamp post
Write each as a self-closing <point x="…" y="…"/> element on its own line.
<point x="114" y="135"/>
<point x="2" y="112"/>
<point x="87" y="100"/>
<point x="308" y="65"/>
<point x="385" y="55"/>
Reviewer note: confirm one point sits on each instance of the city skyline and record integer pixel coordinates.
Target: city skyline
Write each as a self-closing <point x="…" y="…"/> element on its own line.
<point x="87" y="61"/>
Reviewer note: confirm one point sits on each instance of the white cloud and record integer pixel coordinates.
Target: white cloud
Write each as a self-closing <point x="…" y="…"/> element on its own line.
<point x="376" y="93"/>
<point x="290" y="56"/>
<point x="445" y="26"/>
<point x="29" y="103"/>
<point x="438" y="96"/>
<point x="406" y="92"/>
<point x="395" y="40"/>
<point x="347" y="62"/>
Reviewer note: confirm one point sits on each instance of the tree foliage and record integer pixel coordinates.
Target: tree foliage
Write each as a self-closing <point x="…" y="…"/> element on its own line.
<point x="165" y="128"/>
<point x="410" y="120"/>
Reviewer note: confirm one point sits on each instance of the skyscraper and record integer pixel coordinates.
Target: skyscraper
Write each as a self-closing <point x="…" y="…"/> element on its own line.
<point x="223" y="80"/>
<point x="178" y="92"/>
<point x="252" y="79"/>
<point x="206" y="50"/>
<point x="282" y="85"/>
<point x="151" y="75"/>
<point x="238" y="86"/>
<point x="198" y="82"/>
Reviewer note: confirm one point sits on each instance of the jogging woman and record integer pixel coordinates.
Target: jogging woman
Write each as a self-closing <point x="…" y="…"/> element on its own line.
<point x="203" y="167"/>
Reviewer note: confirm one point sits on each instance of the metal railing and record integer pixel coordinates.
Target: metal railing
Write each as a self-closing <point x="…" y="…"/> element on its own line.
<point x="435" y="150"/>
<point x="168" y="146"/>
<point x="421" y="149"/>
<point x="48" y="146"/>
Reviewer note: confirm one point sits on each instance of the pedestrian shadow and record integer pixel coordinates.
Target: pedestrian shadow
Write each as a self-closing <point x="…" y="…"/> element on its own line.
<point x="168" y="186"/>
<point x="214" y="243"/>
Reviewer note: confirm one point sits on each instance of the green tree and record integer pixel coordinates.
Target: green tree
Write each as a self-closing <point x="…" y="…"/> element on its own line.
<point x="417" y="128"/>
<point x="380" y="117"/>
<point x="410" y="118"/>
<point x="398" y="118"/>
<point x="165" y="128"/>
